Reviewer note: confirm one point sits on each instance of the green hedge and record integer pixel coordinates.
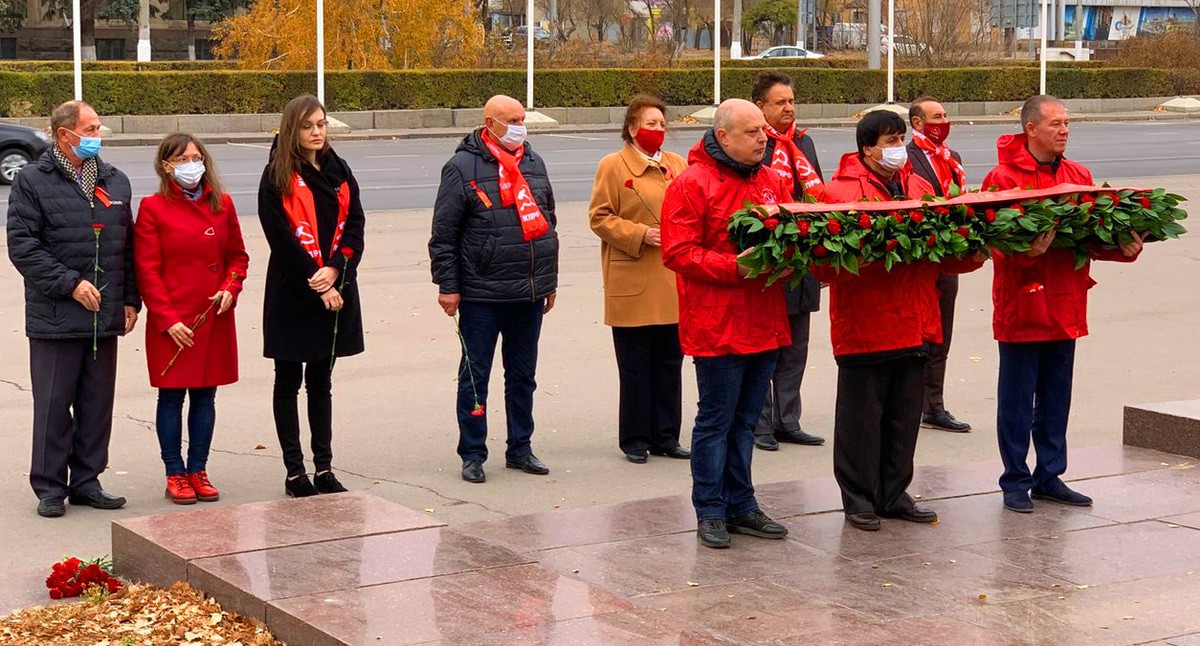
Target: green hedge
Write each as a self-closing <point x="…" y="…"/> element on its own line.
<point x="226" y="91"/>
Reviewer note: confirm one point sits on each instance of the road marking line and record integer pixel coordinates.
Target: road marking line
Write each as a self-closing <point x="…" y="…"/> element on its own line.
<point x="237" y="143"/>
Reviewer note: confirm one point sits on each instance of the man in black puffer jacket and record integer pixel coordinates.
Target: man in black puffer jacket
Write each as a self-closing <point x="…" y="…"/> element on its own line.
<point x="70" y="228"/>
<point x="494" y="257"/>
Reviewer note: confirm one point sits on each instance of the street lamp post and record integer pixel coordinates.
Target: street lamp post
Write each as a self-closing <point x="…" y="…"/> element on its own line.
<point x="716" y="52"/>
<point x="891" y="41"/>
<point x="529" y="35"/>
<point x="76" y="47"/>
<point x="1045" y="13"/>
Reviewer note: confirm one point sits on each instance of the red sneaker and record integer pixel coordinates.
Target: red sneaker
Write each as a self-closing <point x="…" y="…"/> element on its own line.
<point x="180" y="491"/>
<point x="205" y="491"/>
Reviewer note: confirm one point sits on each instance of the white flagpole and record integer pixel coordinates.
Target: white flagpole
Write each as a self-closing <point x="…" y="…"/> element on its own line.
<point x="529" y="37"/>
<point x="717" y="52"/>
<point x="891" y="37"/>
<point x="1045" y="11"/>
<point x="76" y="46"/>
<point x="321" y="51"/>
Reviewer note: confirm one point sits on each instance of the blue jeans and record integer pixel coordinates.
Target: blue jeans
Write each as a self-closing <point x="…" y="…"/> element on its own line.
<point x="1034" y="401"/>
<point x="482" y="325"/>
<point x="732" y="391"/>
<point x="202" y="416"/>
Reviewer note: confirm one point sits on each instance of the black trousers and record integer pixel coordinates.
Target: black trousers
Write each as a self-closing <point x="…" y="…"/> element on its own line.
<point x="72" y="413"/>
<point x="318" y="386"/>
<point x="875" y="430"/>
<point x="935" y="371"/>
<point x="782" y="410"/>
<point x="650" y="364"/>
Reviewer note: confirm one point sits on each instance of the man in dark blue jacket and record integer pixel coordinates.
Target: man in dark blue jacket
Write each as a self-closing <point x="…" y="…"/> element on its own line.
<point x="70" y="229"/>
<point x="494" y="257"/>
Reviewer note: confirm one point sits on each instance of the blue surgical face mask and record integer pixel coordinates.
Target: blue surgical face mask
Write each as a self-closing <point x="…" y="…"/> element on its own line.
<point x="88" y="146"/>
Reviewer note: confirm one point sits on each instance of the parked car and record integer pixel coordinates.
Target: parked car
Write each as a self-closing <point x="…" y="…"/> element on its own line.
<point x="540" y="34"/>
<point x="19" y="145"/>
<point x="905" y="46"/>
<point x="787" y="51"/>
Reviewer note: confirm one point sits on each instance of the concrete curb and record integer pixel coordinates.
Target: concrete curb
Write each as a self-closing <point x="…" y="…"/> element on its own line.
<point x="456" y="132"/>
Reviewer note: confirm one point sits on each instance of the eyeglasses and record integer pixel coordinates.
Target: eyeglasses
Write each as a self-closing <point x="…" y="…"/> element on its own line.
<point x="184" y="160"/>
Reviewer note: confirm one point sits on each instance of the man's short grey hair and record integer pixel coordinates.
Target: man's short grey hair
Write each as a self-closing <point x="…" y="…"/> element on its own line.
<point x="66" y="115"/>
<point x="723" y="118"/>
<point x="1035" y="107"/>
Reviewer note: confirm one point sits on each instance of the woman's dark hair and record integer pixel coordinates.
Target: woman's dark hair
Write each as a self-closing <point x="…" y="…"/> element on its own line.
<point x="173" y="146"/>
<point x="633" y="114"/>
<point x="875" y="125"/>
<point x="288" y="154"/>
<point x="765" y="81"/>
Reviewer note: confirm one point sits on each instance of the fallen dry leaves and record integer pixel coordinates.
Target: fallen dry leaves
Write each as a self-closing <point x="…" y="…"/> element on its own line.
<point x="141" y="615"/>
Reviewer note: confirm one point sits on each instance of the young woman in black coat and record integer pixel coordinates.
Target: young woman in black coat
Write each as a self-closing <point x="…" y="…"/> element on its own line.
<point x="309" y="206"/>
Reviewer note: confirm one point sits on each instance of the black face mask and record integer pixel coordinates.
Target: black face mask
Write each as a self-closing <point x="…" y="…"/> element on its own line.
<point x="714" y="150"/>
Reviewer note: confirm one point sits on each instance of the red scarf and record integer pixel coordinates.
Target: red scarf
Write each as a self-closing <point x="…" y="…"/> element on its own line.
<point x="948" y="169"/>
<point x="514" y="190"/>
<point x="302" y="215"/>
<point x="788" y="156"/>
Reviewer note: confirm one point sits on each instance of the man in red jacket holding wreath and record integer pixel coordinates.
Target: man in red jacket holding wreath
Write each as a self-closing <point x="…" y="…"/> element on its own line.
<point x="1040" y="301"/>
<point x="884" y="325"/>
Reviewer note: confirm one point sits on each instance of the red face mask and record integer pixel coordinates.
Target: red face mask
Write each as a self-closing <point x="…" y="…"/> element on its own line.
<point x="937" y="132"/>
<point x="650" y="141"/>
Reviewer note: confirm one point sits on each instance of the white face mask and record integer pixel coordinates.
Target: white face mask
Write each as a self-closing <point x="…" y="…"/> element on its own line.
<point x="189" y="174"/>
<point x="894" y="159"/>
<point x="514" y="137"/>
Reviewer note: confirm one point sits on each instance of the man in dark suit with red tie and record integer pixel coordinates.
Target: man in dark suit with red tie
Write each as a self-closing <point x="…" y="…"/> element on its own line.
<point x="941" y="167"/>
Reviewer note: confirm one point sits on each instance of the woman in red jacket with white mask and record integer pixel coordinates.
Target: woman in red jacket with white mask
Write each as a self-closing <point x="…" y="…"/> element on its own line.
<point x="190" y="262"/>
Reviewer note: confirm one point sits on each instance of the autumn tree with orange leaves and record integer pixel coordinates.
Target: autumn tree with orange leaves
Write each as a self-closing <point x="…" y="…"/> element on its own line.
<point x="359" y="34"/>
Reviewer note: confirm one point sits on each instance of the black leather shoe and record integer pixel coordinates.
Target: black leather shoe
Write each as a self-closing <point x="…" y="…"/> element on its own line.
<point x="677" y="452"/>
<point x="473" y="472"/>
<point x="528" y="464"/>
<point x="1018" y="501"/>
<point x="99" y="499"/>
<point x="51" y="507"/>
<point x="1057" y="491"/>
<point x="327" y="483"/>
<point x="757" y="524"/>
<point x="865" y="521"/>
<point x="713" y="533"/>
<point x="799" y="437"/>
<point x="636" y="458"/>
<point x="300" y="487"/>
<point x="944" y="421"/>
<point x="766" y="443"/>
<point x="914" y="514"/>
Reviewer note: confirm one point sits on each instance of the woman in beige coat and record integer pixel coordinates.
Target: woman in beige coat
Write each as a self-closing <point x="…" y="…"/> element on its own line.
<point x="640" y="301"/>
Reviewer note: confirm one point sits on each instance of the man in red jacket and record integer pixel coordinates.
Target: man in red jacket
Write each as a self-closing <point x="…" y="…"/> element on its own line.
<point x="1040" y="301"/>
<point x="883" y="325"/>
<point x="733" y="327"/>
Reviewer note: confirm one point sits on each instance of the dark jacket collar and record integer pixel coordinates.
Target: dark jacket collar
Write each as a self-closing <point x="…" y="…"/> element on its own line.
<point x="47" y="163"/>
<point x="714" y="150"/>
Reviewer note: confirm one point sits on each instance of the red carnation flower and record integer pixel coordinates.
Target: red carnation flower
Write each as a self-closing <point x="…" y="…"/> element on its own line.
<point x="1088" y="199"/>
<point x="899" y="217"/>
<point x="834" y="227"/>
<point x="771" y="223"/>
<point x="113" y="585"/>
<point x="98" y="227"/>
<point x="1019" y="209"/>
<point x="941" y="210"/>
<point x="478" y="411"/>
<point x="74" y="563"/>
<point x="892" y="244"/>
<point x="346" y="251"/>
<point x="820" y="251"/>
<point x="864" y="221"/>
<point x="804" y="226"/>
<point x="1145" y="202"/>
<point x="629" y="183"/>
<point x="56" y="594"/>
<point x="932" y="242"/>
<point x="989" y="215"/>
<point x="964" y="231"/>
<point x="917" y="217"/>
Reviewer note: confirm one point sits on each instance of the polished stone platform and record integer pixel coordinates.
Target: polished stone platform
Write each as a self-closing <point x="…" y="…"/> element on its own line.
<point x="1172" y="427"/>
<point x="354" y="569"/>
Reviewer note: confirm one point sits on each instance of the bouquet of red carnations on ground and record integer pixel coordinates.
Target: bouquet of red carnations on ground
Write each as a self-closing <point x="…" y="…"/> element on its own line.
<point x="72" y="577"/>
<point x="1084" y="219"/>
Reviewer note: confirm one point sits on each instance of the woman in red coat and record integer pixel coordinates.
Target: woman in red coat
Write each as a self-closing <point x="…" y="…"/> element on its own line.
<point x="190" y="263"/>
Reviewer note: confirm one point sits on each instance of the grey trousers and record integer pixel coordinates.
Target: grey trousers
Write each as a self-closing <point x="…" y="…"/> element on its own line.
<point x="781" y="412"/>
<point x="72" y="413"/>
<point x="935" y="370"/>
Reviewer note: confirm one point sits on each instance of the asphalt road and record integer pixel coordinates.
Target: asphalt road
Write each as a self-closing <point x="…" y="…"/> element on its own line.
<point x="403" y="174"/>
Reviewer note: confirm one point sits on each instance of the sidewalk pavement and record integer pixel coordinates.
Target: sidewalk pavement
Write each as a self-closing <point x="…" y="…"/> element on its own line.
<point x="395" y="429"/>
<point x="120" y="139"/>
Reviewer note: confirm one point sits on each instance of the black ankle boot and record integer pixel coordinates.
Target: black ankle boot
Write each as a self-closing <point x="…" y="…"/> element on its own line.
<point x="326" y="482"/>
<point x="300" y="487"/>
